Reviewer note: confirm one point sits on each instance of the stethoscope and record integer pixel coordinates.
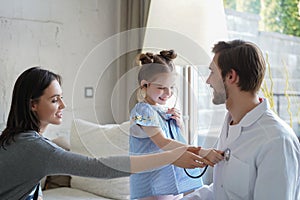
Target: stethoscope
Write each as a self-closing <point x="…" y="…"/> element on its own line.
<point x="172" y="136"/>
<point x="226" y="154"/>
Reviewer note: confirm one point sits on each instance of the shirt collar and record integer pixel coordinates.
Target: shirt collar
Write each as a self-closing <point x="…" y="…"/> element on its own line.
<point x="252" y="116"/>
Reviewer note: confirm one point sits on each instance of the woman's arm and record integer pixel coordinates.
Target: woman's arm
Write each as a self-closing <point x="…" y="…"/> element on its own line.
<point x="63" y="162"/>
<point x="181" y="157"/>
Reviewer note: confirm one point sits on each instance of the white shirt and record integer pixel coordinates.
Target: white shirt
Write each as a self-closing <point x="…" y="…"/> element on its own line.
<point x="264" y="162"/>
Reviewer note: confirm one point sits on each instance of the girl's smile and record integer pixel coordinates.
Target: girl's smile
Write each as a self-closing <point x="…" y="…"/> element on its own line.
<point x="161" y="90"/>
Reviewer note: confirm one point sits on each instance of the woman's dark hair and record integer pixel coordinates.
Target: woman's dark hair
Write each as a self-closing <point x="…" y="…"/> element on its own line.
<point x="29" y="87"/>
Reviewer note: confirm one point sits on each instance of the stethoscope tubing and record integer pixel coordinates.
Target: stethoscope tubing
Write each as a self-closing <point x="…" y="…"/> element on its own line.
<point x="199" y="176"/>
<point x="227" y="153"/>
<point x="172" y="136"/>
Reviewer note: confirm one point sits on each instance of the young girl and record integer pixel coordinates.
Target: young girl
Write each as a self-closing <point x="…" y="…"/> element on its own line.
<point x="26" y="156"/>
<point x="153" y="129"/>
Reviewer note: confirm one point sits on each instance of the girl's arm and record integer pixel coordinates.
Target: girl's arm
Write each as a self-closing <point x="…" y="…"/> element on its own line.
<point x="157" y="136"/>
<point x="210" y="154"/>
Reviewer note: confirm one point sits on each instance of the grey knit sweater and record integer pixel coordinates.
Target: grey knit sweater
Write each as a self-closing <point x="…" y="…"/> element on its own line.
<point x="31" y="157"/>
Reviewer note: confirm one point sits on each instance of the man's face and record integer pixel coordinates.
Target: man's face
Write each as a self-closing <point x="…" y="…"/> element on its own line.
<point x="216" y="82"/>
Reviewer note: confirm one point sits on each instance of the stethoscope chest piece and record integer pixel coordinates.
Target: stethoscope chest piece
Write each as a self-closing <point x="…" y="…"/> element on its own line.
<point x="227" y="154"/>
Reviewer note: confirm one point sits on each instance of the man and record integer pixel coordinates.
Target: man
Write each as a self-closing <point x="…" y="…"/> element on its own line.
<point x="263" y="152"/>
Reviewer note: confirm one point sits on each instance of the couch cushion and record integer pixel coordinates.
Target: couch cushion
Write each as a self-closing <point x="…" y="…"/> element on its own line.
<point x="55" y="181"/>
<point x="100" y="141"/>
<point x="65" y="193"/>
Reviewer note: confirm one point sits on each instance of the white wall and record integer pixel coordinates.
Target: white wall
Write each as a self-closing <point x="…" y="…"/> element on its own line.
<point x="58" y="35"/>
<point x="74" y="39"/>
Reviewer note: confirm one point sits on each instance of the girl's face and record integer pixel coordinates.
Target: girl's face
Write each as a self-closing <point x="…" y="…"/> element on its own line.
<point x="49" y="106"/>
<point x="161" y="89"/>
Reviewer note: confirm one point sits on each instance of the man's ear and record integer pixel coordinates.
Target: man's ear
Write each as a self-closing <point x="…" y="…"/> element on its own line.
<point x="144" y="83"/>
<point x="232" y="76"/>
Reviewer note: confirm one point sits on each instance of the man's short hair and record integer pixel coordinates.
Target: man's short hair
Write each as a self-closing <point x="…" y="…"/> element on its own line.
<point x="243" y="57"/>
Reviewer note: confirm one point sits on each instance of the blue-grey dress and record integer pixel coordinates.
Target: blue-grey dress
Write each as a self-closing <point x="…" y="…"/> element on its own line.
<point x="166" y="180"/>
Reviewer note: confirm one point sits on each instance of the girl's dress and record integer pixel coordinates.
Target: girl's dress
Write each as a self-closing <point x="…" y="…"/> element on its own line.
<point x="166" y="180"/>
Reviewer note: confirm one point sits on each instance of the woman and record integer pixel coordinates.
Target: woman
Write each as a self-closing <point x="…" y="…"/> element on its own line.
<point x="26" y="156"/>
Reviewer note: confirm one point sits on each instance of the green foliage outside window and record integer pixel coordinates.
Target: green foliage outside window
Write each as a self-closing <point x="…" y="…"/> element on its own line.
<point x="230" y="4"/>
<point x="251" y="6"/>
<point x="276" y="15"/>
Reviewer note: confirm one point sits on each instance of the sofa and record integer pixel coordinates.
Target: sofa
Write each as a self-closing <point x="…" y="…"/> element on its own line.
<point x="96" y="141"/>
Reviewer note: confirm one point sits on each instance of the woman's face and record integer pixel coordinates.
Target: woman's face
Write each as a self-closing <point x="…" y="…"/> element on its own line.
<point x="161" y="90"/>
<point x="49" y="106"/>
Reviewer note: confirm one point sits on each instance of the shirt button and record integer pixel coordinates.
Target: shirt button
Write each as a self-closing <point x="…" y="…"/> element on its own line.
<point x="221" y="185"/>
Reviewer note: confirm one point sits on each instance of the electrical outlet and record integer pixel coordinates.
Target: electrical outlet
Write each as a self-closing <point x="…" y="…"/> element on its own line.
<point x="88" y="92"/>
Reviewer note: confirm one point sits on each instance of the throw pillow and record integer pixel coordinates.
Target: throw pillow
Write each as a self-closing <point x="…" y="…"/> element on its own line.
<point x="100" y="141"/>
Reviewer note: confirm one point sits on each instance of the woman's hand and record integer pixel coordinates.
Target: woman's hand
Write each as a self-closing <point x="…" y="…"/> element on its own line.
<point x="212" y="155"/>
<point x="176" y="115"/>
<point x="190" y="158"/>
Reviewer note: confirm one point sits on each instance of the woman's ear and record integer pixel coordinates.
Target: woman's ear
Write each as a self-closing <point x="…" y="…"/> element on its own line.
<point x="144" y="83"/>
<point x="33" y="105"/>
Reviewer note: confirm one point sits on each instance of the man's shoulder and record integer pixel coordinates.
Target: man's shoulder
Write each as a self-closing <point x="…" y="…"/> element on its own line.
<point x="271" y="120"/>
<point x="274" y="127"/>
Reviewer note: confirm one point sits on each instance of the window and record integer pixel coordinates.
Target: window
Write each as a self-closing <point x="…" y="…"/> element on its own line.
<point x="206" y="118"/>
<point x="282" y="53"/>
<point x="204" y="25"/>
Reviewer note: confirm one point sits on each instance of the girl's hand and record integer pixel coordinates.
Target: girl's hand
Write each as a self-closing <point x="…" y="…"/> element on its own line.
<point x="177" y="116"/>
<point x="212" y="155"/>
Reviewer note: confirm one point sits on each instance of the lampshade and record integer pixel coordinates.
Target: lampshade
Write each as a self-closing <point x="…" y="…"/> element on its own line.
<point x="190" y="27"/>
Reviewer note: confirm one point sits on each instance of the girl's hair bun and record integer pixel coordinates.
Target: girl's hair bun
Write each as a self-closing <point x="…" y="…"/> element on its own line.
<point x="168" y="54"/>
<point x="146" y="58"/>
